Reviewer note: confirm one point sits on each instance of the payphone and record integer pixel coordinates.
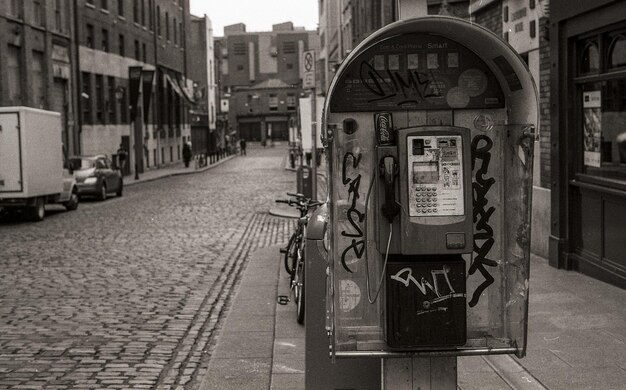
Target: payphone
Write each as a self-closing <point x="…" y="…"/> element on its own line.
<point x="424" y="195"/>
<point x="429" y="126"/>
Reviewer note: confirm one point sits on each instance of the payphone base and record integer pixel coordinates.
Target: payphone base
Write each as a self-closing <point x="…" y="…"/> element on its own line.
<point x="426" y="301"/>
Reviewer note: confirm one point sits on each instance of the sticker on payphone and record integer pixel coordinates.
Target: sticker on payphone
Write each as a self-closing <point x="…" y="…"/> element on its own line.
<point x="435" y="175"/>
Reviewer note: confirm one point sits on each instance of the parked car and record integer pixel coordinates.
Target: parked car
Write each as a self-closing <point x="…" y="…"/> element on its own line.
<point x="96" y="176"/>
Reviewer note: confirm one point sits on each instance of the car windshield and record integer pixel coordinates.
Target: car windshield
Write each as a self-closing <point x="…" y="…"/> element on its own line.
<point x="82" y="163"/>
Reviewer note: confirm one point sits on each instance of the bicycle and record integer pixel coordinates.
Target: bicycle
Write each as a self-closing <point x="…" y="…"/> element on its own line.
<point x="294" y="251"/>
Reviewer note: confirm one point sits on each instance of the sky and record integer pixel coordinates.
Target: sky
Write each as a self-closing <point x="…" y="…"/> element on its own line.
<point x="258" y="15"/>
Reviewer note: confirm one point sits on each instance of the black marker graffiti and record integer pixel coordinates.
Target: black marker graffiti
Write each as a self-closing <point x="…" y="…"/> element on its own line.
<point x="355" y="217"/>
<point x="415" y="86"/>
<point x="484" y="231"/>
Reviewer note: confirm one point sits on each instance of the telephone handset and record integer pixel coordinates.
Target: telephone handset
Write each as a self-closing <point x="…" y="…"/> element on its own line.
<point x="389" y="172"/>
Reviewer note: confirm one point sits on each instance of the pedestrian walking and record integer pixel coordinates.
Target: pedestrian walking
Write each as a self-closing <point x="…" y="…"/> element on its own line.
<point x="242" y="146"/>
<point x="122" y="155"/>
<point x="186" y="154"/>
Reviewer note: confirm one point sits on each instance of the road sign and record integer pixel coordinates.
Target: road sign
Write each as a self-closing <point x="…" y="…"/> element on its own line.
<point x="308" y="62"/>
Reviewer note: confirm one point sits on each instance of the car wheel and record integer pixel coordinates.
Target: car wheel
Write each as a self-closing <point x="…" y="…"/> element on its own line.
<point x="120" y="188"/>
<point x="103" y="192"/>
<point x="36" y="212"/>
<point x="72" y="204"/>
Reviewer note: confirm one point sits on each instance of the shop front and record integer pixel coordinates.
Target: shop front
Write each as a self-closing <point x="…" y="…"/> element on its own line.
<point x="588" y="108"/>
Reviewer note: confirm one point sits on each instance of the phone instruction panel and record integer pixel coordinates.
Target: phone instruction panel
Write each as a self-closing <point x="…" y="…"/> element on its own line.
<point x="435" y="169"/>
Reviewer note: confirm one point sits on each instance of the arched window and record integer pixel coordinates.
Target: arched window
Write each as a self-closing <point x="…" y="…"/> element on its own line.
<point x="590" y="58"/>
<point x="617" y="52"/>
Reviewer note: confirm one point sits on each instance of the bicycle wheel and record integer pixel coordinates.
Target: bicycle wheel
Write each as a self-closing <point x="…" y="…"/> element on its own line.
<point x="300" y="292"/>
<point x="290" y="254"/>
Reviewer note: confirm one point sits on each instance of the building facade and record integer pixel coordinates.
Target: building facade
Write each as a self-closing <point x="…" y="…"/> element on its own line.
<point x="37" y="59"/>
<point x="202" y="72"/>
<point x="261" y="72"/>
<point x="588" y="117"/>
<point x="147" y="113"/>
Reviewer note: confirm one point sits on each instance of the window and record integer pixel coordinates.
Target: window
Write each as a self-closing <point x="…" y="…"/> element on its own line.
<point x="124" y="107"/>
<point x="590" y="58"/>
<point x="38" y="83"/>
<point x="150" y="8"/>
<point x="86" y="97"/>
<point x="137" y="51"/>
<point x="617" y="52"/>
<point x="174" y="24"/>
<point x="104" y="4"/>
<point x="37" y="13"/>
<point x="181" y="35"/>
<point x="273" y="102"/>
<point x="14" y="74"/>
<point x="531" y="4"/>
<point x="167" y="26"/>
<point x="99" y="98"/>
<point x="15" y="8"/>
<point x="533" y="28"/>
<point x="136" y="11"/>
<point x="111" y="103"/>
<point x="105" y="40"/>
<point x="89" y="37"/>
<point x="144" y="51"/>
<point x="122" y="45"/>
<point x="120" y="7"/>
<point x="158" y="21"/>
<point x="58" y="16"/>
<point x="289" y="47"/>
<point x="602" y="115"/>
<point x="289" y="65"/>
<point x="291" y="101"/>
<point x="143" y="12"/>
<point x="239" y="49"/>
<point x="505" y="14"/>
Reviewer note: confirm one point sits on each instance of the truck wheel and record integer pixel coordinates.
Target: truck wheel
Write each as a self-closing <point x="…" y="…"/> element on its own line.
<point x="103" y="192"/>
<point x="37" y="211"/>
<point x="72" y="204"/>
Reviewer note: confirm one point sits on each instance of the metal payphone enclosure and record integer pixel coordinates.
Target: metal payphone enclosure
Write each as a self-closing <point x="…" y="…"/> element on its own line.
<point x="414" y="79"/>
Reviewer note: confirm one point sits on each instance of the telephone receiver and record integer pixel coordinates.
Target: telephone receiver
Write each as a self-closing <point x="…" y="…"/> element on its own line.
<point x="389" y="171"/>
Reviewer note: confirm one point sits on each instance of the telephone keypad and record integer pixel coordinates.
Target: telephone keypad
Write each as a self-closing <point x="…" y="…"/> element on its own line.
<point x="426" y="200"/>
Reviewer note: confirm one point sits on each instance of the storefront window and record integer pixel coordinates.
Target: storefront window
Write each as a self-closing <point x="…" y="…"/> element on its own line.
<point x="603" y="116"/>
<point x="604" y="129"/>
<point x="591" y="58"/>
<point x="617" y="53"/>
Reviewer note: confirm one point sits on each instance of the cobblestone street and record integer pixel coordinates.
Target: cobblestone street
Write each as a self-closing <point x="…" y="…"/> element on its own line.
<point x="129" y="292"/>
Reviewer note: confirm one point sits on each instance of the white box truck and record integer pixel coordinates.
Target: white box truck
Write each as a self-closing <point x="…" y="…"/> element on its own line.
<point x="31" y="162"/>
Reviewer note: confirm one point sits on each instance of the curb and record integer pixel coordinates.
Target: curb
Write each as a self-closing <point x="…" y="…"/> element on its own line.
<point x="204" y="169"/>
<point x="284" y="213"/>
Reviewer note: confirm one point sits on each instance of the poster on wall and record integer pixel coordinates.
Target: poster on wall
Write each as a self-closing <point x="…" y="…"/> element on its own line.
<point x="592" y="127"/>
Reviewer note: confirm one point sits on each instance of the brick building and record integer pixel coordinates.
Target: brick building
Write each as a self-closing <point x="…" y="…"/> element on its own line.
<point x="37" y="58"/>
<point x="261" y="72"/>
<point x="202" y="70"/>
<point x="114" y="36"/>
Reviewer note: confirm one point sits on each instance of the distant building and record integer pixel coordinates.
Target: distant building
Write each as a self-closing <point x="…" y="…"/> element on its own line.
<point x="261" y="73"/>
<point x="114" y="36"/>
<point x="37" y="59"/>
<point x="202" y="72"/>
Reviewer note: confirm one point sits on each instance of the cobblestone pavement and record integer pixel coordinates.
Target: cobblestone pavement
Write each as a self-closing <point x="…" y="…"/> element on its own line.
<point x="128" y="293"/>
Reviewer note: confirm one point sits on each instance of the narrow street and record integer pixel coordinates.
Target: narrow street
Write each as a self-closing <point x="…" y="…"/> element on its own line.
<point x="130" y="292"/>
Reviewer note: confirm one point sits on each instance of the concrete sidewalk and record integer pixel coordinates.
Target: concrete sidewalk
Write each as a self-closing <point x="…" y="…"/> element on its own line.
<point x="577" y="335"/>
<point x="172" y="170"/>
